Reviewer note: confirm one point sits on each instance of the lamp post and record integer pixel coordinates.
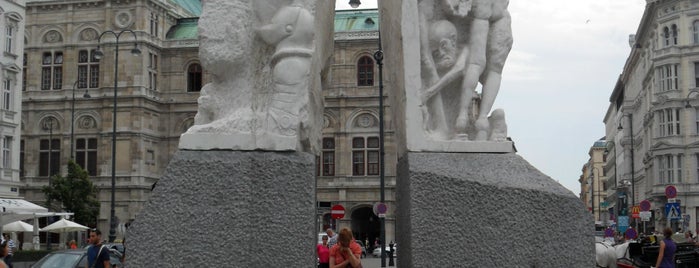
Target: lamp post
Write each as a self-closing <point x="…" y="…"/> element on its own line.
<point x="378" y="57"/>
<point x="98" y="55"/>
<point x="72" y="119"/>
<point x="633" y="177"/>
<point x="50" y="128"/>
<point x="592" y="178"/>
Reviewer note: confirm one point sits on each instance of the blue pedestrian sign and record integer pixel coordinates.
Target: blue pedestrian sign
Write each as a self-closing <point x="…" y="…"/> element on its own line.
<point x="673" y="212"/>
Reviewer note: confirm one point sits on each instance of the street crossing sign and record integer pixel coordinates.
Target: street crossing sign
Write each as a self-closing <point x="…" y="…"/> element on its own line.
<point x="673" y="212"/>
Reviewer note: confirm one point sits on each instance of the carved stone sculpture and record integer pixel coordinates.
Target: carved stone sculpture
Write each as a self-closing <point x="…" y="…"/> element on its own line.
<point x="463" y="42"/>
<point x="262" y="96"/>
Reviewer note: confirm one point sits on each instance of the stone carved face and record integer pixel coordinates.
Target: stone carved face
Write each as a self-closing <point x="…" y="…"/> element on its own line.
<point x="443" y="44"/>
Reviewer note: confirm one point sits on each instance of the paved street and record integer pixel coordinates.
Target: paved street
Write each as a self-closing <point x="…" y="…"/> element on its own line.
<point x="371" y="262"/>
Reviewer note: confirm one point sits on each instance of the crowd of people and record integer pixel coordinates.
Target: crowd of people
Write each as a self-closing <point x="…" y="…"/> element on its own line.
<point x="339" y="250"/>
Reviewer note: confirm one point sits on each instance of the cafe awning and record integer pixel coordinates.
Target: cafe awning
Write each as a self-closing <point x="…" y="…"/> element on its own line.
<point x="18" y="209"/>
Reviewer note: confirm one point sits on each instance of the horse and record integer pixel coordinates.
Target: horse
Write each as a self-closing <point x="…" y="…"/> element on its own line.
<point x="606" y="255"/>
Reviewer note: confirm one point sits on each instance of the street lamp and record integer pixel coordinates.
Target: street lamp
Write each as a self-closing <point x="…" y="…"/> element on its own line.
<point x="378" y="57"/>
<point x="592" y="178"/>
<point x="98" y="55"/>
<point x="633" y="178"/>
<point x="72" y="119"/>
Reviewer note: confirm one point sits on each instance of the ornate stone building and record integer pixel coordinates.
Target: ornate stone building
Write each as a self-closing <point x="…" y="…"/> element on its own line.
<point x="157" y="93"/>
<point x="652" y="123"/>
<point x="68" y="94"/>
<point x="12" y="21"/>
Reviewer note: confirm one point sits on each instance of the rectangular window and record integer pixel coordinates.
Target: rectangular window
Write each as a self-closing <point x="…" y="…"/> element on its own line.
<point x="21" y="158"/>
<point x="88" y="69"/>
<point x="662" y="169"/>
<point x="669" y="77"/>
<point x="670" y="168"/>
<point x="328" y="157"/>
<point x="154" y="24"/>
<point x="365" y="156"/>
<point x="24" y="72"/>
<point x="7" y="95"/>
<point x="86" y="155"/>
<point x="10" y="32"/>
<point x="52" y="70"/>
<point x="669" y="122"/>
<point x="696" y="74"/>
<point x="678" y="171"/>
<point x="153" y="71"/>
<point x="49" y="157"/>
<point x="7" y="153"/>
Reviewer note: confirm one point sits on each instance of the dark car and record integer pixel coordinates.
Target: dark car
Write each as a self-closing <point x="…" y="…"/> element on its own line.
<point x="72" y="258"/>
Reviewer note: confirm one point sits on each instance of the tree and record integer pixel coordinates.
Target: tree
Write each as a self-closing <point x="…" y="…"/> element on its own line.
<point x="74" y="193"/>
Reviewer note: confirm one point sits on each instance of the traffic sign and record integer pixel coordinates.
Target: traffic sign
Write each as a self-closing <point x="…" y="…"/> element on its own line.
<point x="337" y="212"/>
<point x="645" y="215"/>
<point x="380" y="208"/>
<point x="635" y="210"/>
<point x="609" y="232"/>
<point x="631" y="233"/>
<point x="673" y="212"/>
<point x="645" y="205"/>
<point x="670" y="191"/>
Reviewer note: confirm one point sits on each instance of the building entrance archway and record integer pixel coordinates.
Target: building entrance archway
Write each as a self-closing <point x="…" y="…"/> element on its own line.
<point x="366" y="226"/>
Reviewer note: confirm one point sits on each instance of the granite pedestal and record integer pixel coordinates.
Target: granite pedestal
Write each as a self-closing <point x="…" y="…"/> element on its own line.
<point x="487" y="210"/>
<point x="228" y="209"/>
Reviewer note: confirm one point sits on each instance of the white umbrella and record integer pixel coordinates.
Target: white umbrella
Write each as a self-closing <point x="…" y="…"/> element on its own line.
<point x="63" y="226"/>
<point x="18" y="226"/>
<point x="17" y="209"/>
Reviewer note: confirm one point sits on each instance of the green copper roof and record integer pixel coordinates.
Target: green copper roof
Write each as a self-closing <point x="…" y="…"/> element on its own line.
<point x="193" y="6"/>
<point x="356" y="20"/>
<point x="185" y="29"/>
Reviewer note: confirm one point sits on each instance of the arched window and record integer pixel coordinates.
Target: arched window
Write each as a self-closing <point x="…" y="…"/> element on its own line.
<point x="194" y="78"/>
<point x="365" y="71"/>
<point x="666" y="36"/>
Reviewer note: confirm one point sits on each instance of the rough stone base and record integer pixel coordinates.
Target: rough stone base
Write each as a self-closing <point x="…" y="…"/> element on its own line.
<point x="487" y="210"/>
<point x="228" y="209"/>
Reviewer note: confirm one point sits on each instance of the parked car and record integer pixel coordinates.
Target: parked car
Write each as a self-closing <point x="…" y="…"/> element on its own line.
<point x="377" y="251"/>
<point x="72" y="258"/>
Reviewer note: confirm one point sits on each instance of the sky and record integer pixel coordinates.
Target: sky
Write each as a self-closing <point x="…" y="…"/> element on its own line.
<point x="565" y="61"/>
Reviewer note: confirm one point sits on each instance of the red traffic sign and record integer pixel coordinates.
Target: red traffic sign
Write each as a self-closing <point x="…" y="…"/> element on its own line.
<point x="337" y="212"/>
<point x="645" y="205"/>
<point x="670" y="191"/>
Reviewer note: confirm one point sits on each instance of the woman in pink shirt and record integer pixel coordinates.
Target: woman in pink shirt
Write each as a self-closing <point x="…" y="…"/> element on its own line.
<point x="323" y="253"/>
<point x="346" y="253"/>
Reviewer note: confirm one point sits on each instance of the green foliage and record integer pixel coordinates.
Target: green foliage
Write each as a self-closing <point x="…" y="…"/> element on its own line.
<point x="74" y="193"/>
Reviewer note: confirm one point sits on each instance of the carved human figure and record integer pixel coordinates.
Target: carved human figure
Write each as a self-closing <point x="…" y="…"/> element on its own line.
<point x="481" y="60"/>
<point x="443" y="63"/>
<point x="490" y="41"/>
<point x="291" y="31"/>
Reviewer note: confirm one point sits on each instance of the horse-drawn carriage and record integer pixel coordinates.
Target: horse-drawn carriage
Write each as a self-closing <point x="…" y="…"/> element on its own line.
<point x="644" y="254"/>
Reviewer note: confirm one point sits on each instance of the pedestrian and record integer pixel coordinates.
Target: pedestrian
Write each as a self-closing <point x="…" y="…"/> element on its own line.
<point x="332" y="237"/>
<point x="346" y="253"/>
<point x="10" y="249"/>
<point x="73" y="244"/>
<point x="323" y="253"/>
<point x="666" y="254"/>
<point x="3" y="253"/>
<point x="97" y="254"/>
